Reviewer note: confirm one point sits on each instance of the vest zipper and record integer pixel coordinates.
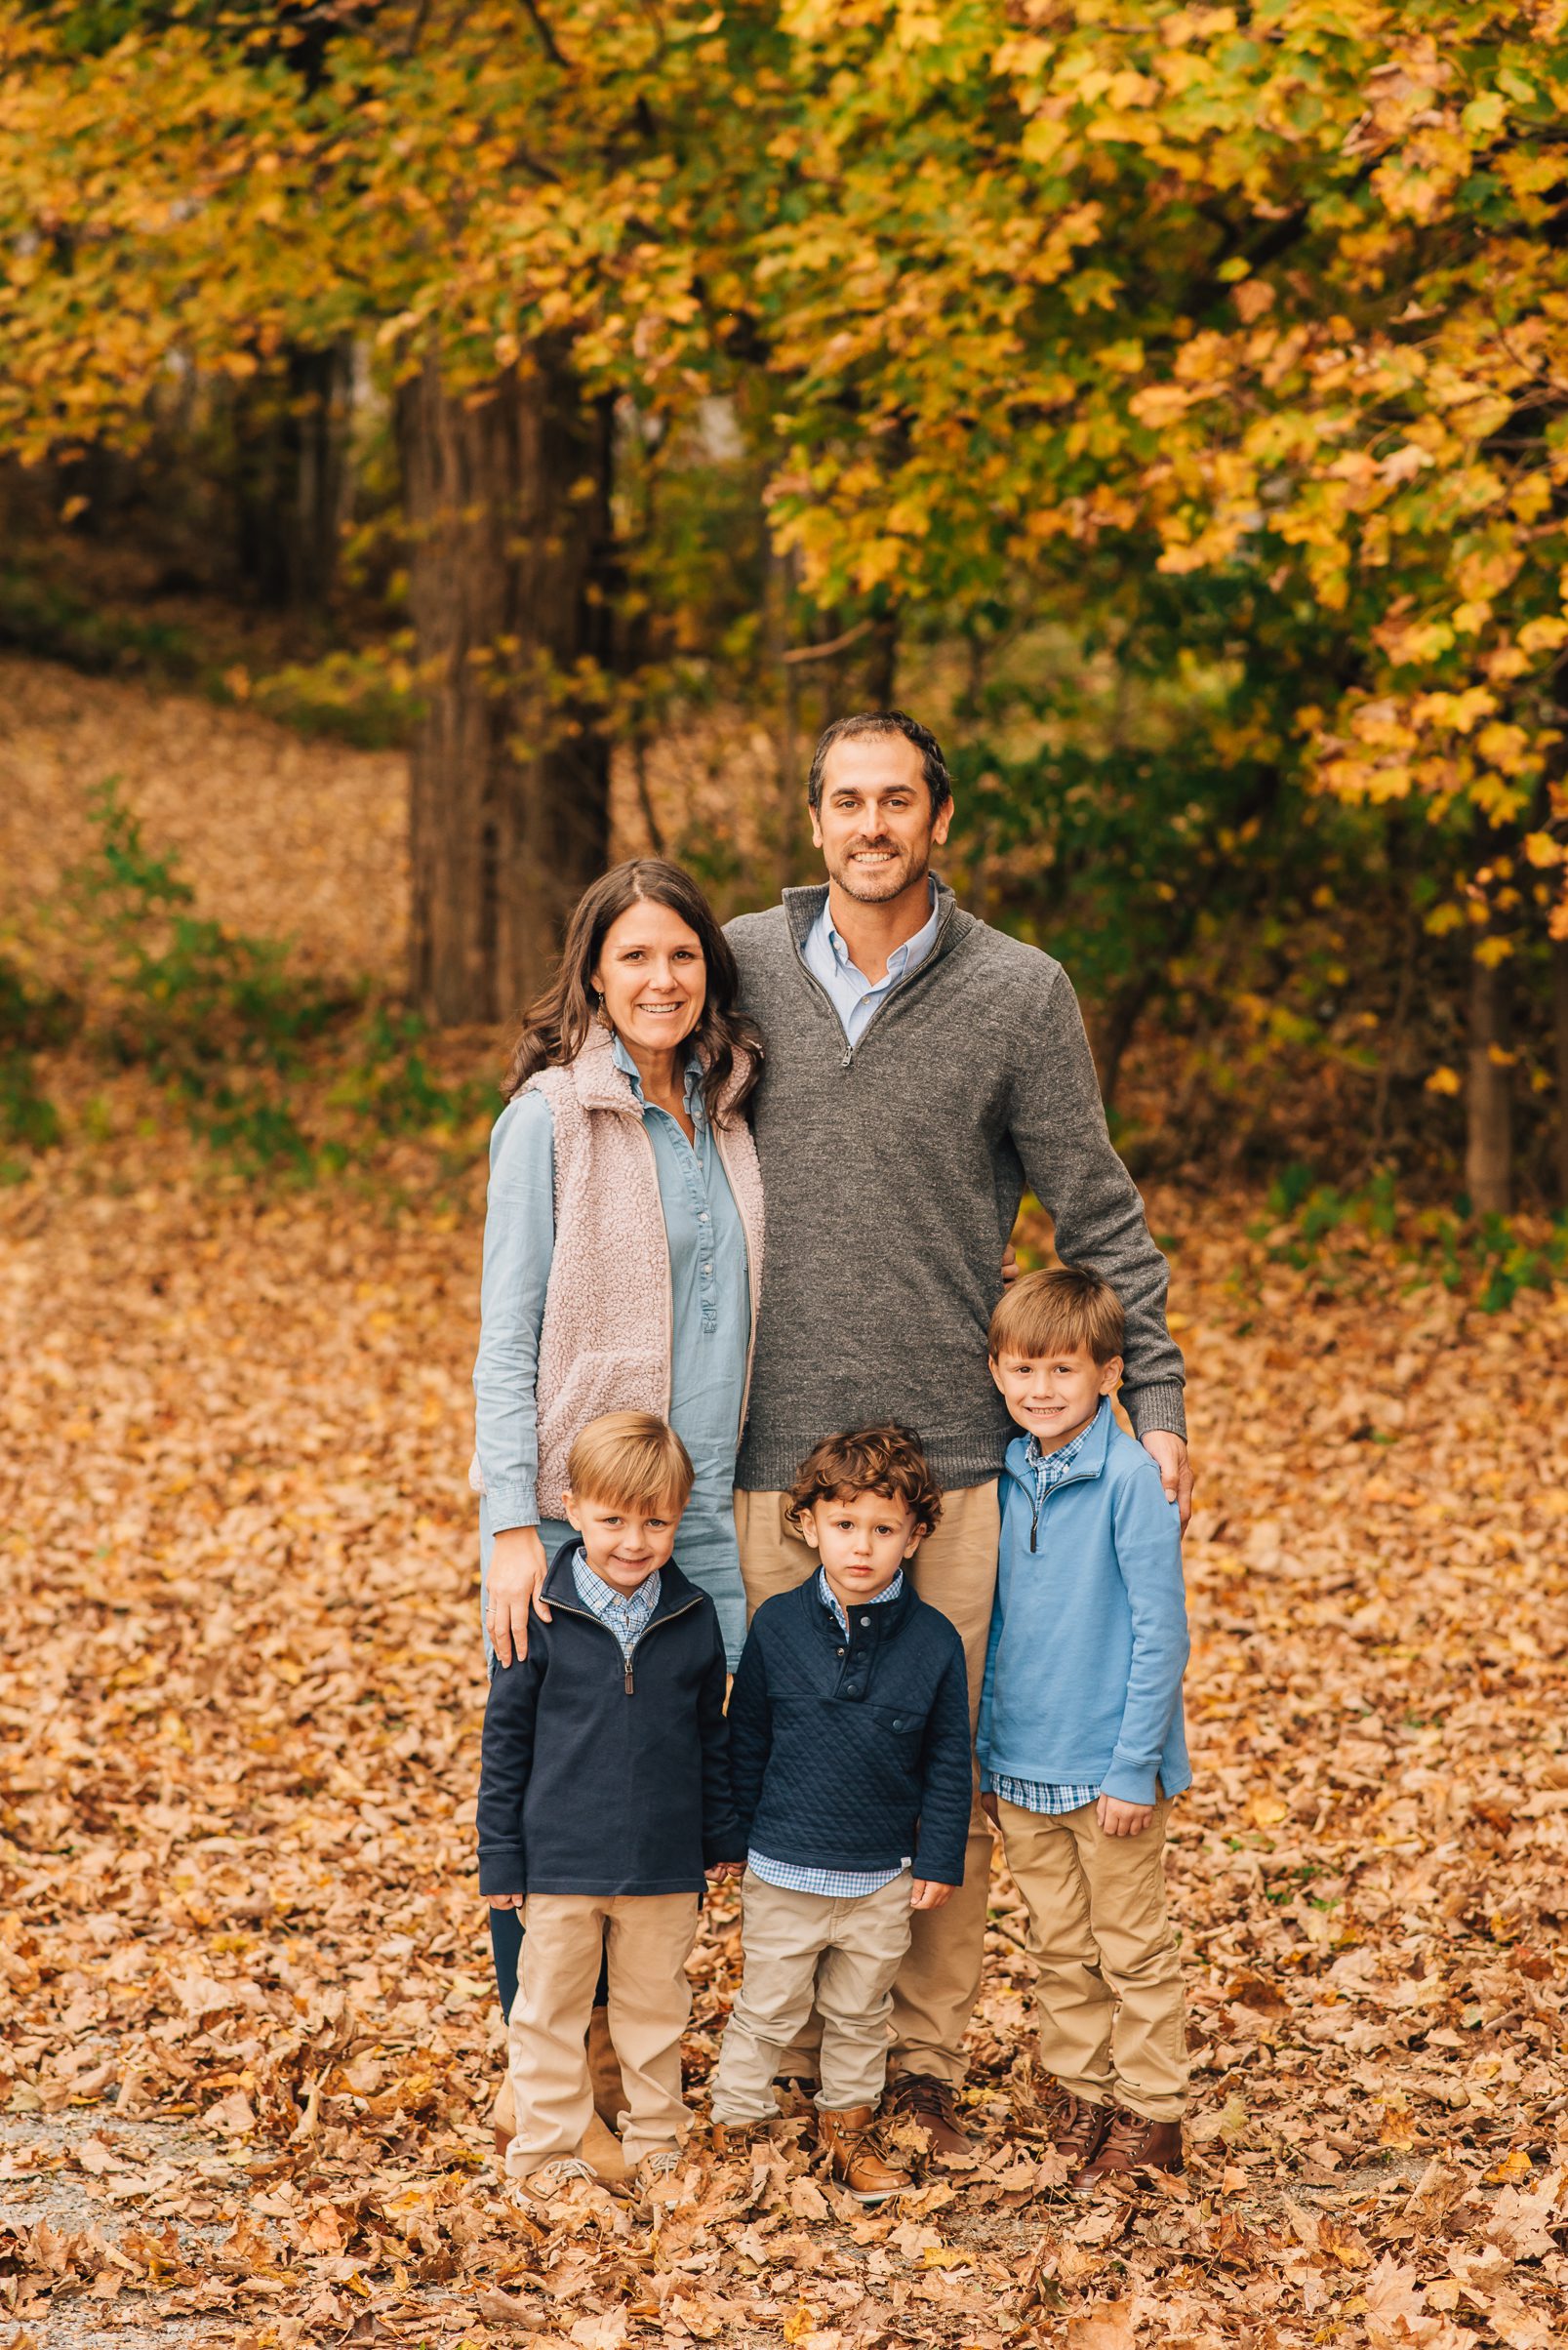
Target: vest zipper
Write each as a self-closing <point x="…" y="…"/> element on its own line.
<point x="752" y="1284"/>
<point x="670" y="1277"/>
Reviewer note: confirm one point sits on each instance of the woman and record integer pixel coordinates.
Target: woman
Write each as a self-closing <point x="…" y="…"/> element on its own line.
<point x="623" y="1252"/>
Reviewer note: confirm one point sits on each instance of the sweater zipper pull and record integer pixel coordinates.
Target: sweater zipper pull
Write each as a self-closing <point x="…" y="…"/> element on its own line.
<point x="629" y="1691"/>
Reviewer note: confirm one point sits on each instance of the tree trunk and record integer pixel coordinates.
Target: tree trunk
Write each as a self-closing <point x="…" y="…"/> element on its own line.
<point x="1560" y="1032"/>
<point x="1489" y="1093"/>
<point x="507" y="492"/>
<point x="882" y="668"/>
<point x="289" y="444"/>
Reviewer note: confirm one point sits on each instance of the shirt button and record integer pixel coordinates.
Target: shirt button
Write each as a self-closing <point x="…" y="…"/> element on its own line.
<point x="865" y="1619"/>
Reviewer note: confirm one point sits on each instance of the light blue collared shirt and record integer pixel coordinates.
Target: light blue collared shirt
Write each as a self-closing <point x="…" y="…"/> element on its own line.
<point x="855" y="999"/>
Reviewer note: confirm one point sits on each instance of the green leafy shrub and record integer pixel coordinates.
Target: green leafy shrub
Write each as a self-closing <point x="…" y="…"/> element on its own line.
<point x="366" y="699"/>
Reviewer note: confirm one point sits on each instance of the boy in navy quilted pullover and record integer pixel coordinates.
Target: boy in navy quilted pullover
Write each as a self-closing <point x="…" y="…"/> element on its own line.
<point x="850" y="1757"/>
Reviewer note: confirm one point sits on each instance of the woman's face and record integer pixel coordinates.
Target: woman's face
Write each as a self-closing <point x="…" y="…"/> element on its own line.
<point x="652" y="976"/>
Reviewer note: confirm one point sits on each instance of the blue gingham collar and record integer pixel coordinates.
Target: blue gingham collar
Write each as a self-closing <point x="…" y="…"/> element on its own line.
<point x="1050" y="1467"/>
<point x="830" y="1600"/>
<point x="629" y="1608"/>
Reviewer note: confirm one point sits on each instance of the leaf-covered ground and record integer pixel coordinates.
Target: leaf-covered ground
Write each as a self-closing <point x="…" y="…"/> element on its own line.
<point x="250" y="2034"/>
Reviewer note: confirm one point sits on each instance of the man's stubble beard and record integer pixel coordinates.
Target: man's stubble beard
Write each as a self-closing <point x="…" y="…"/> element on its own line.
<point x="915" y="871"/>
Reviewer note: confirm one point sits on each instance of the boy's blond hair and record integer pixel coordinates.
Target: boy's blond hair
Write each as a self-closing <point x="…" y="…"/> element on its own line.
<point x="629" y="1459"/>
<point x="1067" y="1311"/>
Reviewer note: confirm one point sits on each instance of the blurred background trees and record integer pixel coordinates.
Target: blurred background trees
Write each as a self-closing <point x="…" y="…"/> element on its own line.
<point x="1174" y="413"/>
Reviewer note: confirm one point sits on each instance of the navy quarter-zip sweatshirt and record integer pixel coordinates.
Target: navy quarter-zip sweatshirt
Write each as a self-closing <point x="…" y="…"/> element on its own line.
<point x="600" y="1776"/>
<point x="853" y="1752"/>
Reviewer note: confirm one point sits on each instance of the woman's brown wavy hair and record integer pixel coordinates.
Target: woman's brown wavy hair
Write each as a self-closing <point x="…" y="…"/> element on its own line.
<point x="558" y="1025"/>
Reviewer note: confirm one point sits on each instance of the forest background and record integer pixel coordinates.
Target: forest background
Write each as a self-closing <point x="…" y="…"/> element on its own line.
<point x="444" y="447"/>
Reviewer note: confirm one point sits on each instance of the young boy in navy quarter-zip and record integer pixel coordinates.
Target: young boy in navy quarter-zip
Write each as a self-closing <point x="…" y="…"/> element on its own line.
<point x="849" y="1740"/>
<point x="604" y="1800"/>
<point x="1081" y="1743"/>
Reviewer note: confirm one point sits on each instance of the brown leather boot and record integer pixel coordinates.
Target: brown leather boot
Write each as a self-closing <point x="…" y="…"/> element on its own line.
<point x="931" y="2106"/>
<point x="1077" y="2128"/>
<point x="733" y="2139"/>
<point x="1133" y="2144"/>
<point x="855" y="2158"/>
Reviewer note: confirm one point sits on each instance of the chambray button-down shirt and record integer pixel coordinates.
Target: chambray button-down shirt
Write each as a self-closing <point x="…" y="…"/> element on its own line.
<point x="626" y="1613"/>
<point x="1046" y="1796"/>
<point x="855" y="998"/>
<point x="837" y="1884"/>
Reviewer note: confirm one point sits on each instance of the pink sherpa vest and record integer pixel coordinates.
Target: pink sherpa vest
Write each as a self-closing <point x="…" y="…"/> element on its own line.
<point x="606" y="1342"/>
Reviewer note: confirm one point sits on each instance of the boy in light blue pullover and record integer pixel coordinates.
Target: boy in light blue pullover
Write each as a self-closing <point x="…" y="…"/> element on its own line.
<point x="1081" y="1743"/>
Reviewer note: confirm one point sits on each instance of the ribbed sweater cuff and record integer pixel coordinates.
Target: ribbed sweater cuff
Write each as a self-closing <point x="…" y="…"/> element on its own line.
<point x="502" y="1869"/>
<point x="1152" y="1407"/>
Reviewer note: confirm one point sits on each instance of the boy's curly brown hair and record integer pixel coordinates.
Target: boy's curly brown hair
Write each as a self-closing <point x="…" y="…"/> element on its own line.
<point x="887" y="1459"/>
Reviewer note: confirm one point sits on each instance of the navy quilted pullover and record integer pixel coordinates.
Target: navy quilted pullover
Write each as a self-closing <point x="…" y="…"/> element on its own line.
<point x="853" y="1752"/>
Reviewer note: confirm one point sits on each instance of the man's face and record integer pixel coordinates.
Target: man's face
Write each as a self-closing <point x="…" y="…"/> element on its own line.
<point x="875" y="824"/>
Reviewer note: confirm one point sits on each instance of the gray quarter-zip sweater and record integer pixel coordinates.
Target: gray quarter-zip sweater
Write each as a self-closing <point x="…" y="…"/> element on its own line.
<point x="892" y="1171"/>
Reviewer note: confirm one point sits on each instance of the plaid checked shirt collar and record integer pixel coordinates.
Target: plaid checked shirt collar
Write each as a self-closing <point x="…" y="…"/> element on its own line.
<point x="829" y="1598"/>
<point x="1050" y="1467"/>
<point x="626" y="1613"/>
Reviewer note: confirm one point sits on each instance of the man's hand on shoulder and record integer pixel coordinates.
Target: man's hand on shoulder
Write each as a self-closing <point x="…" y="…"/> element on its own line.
<point x="1170" y="1456"/>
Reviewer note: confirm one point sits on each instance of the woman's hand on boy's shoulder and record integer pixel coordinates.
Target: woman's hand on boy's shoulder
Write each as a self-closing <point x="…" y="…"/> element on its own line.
<point x="925" y="1893"/>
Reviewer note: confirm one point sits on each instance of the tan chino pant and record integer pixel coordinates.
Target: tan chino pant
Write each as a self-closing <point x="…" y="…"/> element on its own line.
<point x="1111" y="2016"/>
<point x="954" y="1569"/>
<point x="650" y="1939"/>
<point x="796" y="1946"/>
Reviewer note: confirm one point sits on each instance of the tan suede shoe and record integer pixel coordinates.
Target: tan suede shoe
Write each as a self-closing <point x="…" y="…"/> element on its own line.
<point x="855" y="2158"/>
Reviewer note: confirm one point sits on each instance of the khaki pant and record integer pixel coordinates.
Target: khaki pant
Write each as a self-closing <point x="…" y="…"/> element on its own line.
<point x="650" y="1939"/>
<point x="796" y="1947"/>
<point x="1112" y="2021"/>
<point x="954" y="1569"/>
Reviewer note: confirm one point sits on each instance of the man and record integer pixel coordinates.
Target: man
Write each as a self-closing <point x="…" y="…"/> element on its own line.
<point x="922" y="1069"/>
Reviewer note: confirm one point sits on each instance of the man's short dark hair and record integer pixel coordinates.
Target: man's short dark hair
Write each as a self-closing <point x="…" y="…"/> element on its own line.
<point x="938" y="783"/>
